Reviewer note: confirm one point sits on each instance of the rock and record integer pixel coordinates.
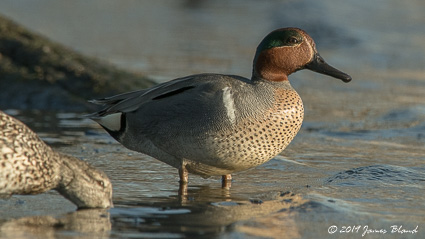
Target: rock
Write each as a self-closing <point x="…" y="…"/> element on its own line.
<point x="36" y="73"/>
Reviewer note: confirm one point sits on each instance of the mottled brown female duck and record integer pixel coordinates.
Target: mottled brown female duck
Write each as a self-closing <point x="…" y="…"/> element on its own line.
<point x="29" y="166"/>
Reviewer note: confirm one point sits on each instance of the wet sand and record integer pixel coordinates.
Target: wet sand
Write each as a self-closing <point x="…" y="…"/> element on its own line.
<point x="356" y="167"/>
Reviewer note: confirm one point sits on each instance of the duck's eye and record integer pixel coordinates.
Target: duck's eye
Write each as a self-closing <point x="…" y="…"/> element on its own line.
<point x="293" y="40"/>
<point x="101" y="183"/>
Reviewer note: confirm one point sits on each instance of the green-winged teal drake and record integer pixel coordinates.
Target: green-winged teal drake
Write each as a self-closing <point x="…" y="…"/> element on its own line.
<point x="213" y="124"/>
<point x="29" y="166"/>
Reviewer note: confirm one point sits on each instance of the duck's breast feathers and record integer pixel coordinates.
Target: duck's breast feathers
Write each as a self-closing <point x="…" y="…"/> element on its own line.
<point x="25" y="159"/>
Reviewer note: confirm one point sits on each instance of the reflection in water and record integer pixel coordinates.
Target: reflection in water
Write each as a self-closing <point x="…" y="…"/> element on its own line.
<point x="205" y="211"/>
<point x="91" y="223"/>
<point x="278" y="225"/>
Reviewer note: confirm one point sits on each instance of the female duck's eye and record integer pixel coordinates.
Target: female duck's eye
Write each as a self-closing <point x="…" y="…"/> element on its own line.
<point x="292" y="40"/>
<point x="101" y="183"/>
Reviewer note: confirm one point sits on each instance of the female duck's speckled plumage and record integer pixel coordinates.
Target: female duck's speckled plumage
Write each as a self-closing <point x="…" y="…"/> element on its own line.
<point x="29" y="166"/>
<point x="212" y="124"/>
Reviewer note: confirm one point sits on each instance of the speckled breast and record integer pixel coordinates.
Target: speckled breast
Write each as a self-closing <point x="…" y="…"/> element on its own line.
<point x="256" y="140"/>
<point x="25" y="167"/>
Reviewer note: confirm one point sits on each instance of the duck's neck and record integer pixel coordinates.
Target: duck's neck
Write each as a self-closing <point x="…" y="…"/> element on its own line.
<point x="269" y="75"/>
<point x="265" y="67"/>
<point x="69" y="168"/>
<point x="66" y="171"/>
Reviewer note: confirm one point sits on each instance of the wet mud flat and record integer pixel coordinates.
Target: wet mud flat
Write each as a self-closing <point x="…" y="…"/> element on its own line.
<point x="346" y="181"/>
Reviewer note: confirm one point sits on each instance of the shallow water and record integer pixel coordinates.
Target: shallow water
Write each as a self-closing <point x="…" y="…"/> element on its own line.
<point x="357" y="161"/>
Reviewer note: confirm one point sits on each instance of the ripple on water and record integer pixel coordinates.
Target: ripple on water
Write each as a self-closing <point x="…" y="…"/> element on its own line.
<point x="385" y="190"/>
<point x="380" y="174"/>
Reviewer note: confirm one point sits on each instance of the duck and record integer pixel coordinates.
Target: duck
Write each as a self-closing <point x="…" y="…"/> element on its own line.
<point x="29" y="166"/>
<point x="215" y="124"/>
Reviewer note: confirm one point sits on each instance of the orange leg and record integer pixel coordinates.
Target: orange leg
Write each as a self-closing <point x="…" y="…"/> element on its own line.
<point x="184" y="179"/>
<point x="226" y="181"/>
<point x="184" y="175"/>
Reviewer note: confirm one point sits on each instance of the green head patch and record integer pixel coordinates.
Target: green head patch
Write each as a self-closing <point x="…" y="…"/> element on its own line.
<point x="286" y="37"/>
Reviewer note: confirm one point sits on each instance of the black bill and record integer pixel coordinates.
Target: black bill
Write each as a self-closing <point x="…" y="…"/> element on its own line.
<point x="320" y="66"/>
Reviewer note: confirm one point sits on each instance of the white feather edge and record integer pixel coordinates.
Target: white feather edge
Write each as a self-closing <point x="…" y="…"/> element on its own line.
<point x="111" y="122"/>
